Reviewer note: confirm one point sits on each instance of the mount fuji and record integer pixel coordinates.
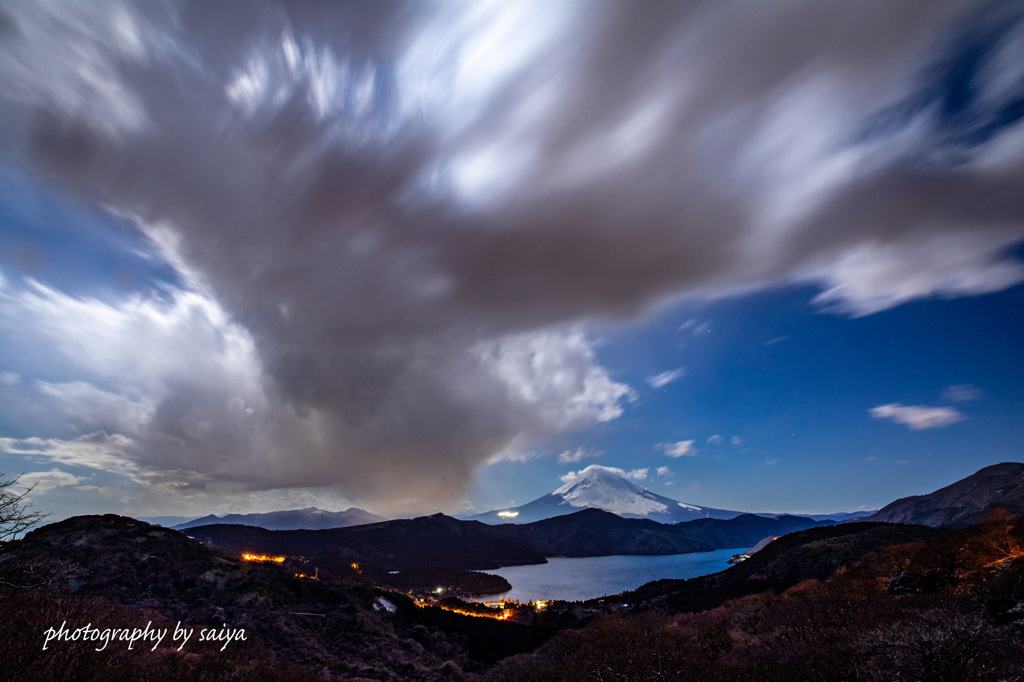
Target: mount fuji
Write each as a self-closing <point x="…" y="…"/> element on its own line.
<point x="604" y="488"/>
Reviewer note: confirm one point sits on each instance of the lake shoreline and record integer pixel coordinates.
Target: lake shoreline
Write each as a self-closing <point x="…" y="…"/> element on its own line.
<point x="583" y="578"/>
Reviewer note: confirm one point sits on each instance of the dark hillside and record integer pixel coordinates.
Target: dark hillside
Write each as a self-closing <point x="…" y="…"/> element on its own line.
<point x="812" y="554"/>
<point x="964" y="503"/>
<point x="593" y="532"/>
<point x="746" y="530"/>
<point x="115" y="571"/>
<point x="946" y="606"/>
<point x="427" y="541"/>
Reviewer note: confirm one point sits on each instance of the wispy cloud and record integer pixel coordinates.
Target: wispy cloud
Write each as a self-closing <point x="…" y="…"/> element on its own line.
<point x="696" y="326"/>
<point x="666" y="378"/>
<point x="962" y="393"/>
<point x="736" y="440"/>
<point x="663" y="471"/>
<point x="715" y="439"/>
<point x="918" y="417"/>
<point x="683" y="448"/>
<point x="577" y="455"/>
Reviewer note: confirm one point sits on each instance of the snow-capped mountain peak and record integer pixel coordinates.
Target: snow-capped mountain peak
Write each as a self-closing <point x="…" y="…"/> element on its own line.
<point x="606" y="488"/>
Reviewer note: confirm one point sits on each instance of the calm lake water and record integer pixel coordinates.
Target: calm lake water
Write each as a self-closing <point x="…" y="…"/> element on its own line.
<point x="578" y="579"/>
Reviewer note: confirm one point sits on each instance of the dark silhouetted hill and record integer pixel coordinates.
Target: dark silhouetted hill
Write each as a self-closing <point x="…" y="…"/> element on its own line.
<point x="964" y="503"/>
<point x="593" y="532"/>
<point x="434" y="541"/>
<point x="114" y="571"/>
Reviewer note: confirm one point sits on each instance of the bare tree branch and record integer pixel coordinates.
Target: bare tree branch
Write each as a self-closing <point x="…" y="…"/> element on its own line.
<point x="16" y="513"/>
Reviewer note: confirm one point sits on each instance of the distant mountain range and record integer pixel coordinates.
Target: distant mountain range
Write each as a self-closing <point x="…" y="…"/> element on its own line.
<point x="441" y="541"/>
<point x="840" y="516"/>
<point x="595" y="487"/>
<point x="309" y="518"/>
<point x="599" y="487"/>
<point x="964" y="503"/>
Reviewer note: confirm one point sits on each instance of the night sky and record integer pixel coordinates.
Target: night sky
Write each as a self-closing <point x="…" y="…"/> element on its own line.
<point x="437" y="255"/>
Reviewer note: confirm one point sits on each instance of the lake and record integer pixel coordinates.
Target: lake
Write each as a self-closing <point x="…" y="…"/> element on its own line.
<point x="591" y="577"/>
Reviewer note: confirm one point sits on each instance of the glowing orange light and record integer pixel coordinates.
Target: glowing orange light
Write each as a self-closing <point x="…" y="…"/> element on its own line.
<point x="503" y="615"/>
<point x="262" y="557"/>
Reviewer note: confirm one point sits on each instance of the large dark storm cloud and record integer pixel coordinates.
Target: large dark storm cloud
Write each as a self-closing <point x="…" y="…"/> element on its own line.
<point x="409" y="209"/>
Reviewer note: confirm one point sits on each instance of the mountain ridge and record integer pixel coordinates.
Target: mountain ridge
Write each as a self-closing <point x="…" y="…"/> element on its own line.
<point x="309" y="518"/>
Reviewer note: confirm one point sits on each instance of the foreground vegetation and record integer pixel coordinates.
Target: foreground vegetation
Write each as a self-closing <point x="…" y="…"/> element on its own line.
<point x="947" y="608"/>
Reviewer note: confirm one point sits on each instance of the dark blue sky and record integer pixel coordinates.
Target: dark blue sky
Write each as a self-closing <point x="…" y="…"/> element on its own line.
<point x="796" y="384"/>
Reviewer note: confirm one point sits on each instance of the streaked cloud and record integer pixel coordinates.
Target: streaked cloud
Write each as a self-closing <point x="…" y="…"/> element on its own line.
<point x="696" y="326"/>
<point x="683" y="448"/>
<point x="666" y="378"/>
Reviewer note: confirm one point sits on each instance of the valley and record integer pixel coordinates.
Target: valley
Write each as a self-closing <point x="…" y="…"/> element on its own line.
<point x="303" y="608"/>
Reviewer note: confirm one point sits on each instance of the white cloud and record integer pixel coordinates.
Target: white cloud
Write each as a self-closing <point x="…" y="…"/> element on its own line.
<point x="683" y="448"/>
<point x="666" y="378"/>
<point x="736" y="440"/>
<point x="96" y="451"/>
<point x="874" y="277"/>
<point x="552" y="377"/>
<point x="634" y="474"/>
<point x="570" y="476"/>
<point x="714" y="439"/>
<point x="43" y="481"/>
<point x="637" y="474"/>
<point x="918" y="417"/>
<point x="663" y="471"/>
